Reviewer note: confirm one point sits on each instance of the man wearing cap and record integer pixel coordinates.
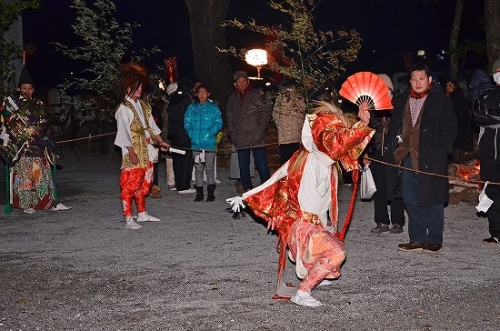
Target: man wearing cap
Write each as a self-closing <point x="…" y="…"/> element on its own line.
<point x="247" y="119"/>
<point x="487" y="116"/>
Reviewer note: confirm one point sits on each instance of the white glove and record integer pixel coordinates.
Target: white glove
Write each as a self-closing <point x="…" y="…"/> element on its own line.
<point x="236" y="203"/>
<point x="200" y="158"/>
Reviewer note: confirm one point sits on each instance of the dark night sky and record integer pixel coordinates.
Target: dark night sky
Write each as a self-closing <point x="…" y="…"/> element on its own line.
<point x="388" y="28"/>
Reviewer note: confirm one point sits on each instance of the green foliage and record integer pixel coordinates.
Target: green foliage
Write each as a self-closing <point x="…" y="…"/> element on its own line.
<point x="104" y="45"/>
<point x="9" y="50"/>
<point x="308" y="54"/>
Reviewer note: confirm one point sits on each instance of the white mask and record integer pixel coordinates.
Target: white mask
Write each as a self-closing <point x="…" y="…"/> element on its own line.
<point x="496" y="77"/>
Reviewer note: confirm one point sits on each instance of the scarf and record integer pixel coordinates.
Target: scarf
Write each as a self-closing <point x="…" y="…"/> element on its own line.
<point x="416" y="95"/>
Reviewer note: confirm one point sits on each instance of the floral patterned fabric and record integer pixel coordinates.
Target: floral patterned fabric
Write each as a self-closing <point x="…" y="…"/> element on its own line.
<point x="32" y="183"/>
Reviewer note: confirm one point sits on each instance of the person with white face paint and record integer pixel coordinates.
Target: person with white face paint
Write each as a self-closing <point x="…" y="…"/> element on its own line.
<point x="487" y="116"/>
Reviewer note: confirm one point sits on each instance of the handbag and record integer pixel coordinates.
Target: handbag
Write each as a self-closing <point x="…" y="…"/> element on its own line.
<point x="368" y="187"/>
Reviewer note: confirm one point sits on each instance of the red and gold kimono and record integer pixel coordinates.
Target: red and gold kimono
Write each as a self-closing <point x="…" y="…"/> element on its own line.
<point x="300" y="198"/>
<point x="136" y="127"/>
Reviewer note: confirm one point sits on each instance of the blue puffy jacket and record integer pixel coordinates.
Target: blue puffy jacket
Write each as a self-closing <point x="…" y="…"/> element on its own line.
<point x="202" y="122"/>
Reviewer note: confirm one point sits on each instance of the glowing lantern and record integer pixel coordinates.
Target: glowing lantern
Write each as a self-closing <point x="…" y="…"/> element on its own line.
<point x="256" y="58"/>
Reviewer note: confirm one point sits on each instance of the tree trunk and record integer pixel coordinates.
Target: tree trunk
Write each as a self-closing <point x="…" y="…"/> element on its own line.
<point x="492" y="27"/>
<point x="459" y="7"/>
<point x="211" y="66"/>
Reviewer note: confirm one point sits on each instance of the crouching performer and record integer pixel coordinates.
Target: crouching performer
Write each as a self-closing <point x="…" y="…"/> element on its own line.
<point x="299" y="201"/>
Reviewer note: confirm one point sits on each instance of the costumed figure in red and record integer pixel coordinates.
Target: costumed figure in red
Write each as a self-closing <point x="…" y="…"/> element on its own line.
<point x="299" y="201"/>
<point x="137" y="131"/>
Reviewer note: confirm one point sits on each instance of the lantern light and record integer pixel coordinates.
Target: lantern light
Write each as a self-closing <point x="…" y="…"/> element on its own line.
<point x="256" y="58"/>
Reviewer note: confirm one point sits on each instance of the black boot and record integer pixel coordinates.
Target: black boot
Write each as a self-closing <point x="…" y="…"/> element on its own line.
<point x="199" y="193"/>
<point x="210" y="192"/>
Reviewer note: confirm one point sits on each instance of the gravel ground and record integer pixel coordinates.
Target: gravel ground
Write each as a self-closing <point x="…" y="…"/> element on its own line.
<point x="200" y="269"/>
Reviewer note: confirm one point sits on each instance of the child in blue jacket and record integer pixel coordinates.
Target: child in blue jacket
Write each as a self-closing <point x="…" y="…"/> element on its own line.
<point x="202" y="122"/>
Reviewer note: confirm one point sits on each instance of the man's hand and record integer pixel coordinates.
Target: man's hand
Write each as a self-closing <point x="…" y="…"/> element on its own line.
<point x="164" y="146"/>
<point x="133" y="158"/>
<point x="363" y="113"/>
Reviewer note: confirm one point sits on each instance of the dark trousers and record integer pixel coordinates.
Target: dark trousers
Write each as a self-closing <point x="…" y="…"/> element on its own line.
<point x="380" y="198"/>
<point x="260" y="157"/>
<point x="425" y="224"/>
<point x="155" y="172"/>
<point x="183" y="170"/>
<point x="287" y="150"/>
<point x="490" y="171"/>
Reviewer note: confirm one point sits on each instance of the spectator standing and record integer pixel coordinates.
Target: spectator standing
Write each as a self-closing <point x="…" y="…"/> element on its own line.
<point x="479" y="81"/>
<point x="289" y="115"/>
<point x="421" y="135"/>
<point x="202" y="122"/>
<point x="487" y="116"/>
<point x="136" y="130"/>
<point x="180" y="97"/>
<point x="380" y="120"/>
<point x="248" y="118"/>
<point x="463" y="141"/>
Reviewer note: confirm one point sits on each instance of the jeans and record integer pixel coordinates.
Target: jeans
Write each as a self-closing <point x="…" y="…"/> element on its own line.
<point x="260" y="157"/>
<point x="425" y="223"/>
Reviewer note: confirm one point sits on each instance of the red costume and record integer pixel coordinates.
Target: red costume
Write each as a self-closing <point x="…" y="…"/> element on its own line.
<point x="300" y="199"/>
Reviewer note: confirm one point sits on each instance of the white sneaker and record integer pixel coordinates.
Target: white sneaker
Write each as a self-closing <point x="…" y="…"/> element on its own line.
<point x="191" y="190"/>
<point x="302" y="298"/>
<point x="130" y="224"/>
<point x="145" y="217"/>
<point x="326" y="282"/>
<point x="29" y="211"/>
<point x="172" y="188"/>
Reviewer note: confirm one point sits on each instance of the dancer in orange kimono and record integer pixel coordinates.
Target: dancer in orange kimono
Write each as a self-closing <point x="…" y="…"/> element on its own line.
<point x="299" y="201"/>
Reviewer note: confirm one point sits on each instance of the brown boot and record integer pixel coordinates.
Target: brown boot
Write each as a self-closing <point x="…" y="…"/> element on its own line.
<point x="155" y="192"/>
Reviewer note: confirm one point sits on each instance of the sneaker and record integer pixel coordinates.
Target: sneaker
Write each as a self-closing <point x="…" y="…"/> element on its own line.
<point x="411" y="247"/>
<point x="145" y="217"/>
<point x="29" y="211"/>
<point x="396" y="228"/>
<point x="302" y="298"/>
<point x="130" y="224"/>
<point x="172" y="188"/>
<point x="491" y="241"/>
<point x="381" y="227"/>
<point x="189" y="191"/>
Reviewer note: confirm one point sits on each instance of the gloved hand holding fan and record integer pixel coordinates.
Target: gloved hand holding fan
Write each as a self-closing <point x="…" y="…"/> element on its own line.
<point x="367" y="87"/>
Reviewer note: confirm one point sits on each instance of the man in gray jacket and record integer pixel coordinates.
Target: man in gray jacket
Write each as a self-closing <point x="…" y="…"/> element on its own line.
<point x="247" y="120"/>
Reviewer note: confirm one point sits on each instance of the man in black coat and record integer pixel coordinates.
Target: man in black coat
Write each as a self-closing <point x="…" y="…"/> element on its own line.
<point x="420" y="137"/>
<point x="180" y="97"/>
<point x="487" y="116"/>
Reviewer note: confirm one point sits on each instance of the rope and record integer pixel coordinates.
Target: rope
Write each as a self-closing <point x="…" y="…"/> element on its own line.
<point x="433" y="174"/>
<point x="219" y="150"/>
